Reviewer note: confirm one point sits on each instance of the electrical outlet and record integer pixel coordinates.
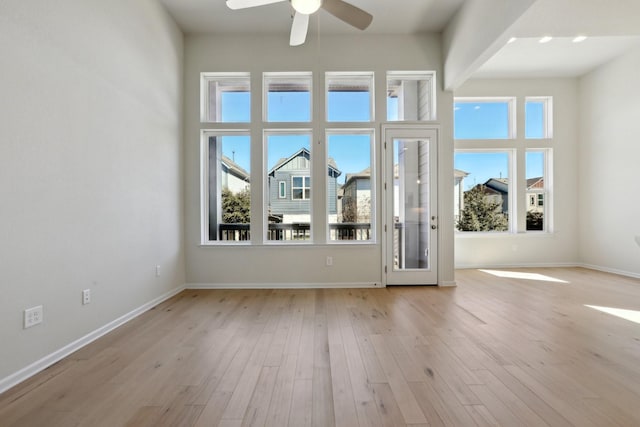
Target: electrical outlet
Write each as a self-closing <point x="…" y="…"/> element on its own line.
<point x="32" y="316"/>
<point x="86" y="296"/>
<point x="329" y="261"/>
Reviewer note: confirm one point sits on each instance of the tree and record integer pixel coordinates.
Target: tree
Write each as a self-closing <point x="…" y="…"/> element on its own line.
<point x="480" y="213"/>
<point x="535" y="220"/>
<point x="236" y="207"/>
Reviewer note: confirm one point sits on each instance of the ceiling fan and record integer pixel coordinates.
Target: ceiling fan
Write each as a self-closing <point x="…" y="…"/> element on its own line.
<point x="342" y="10"/>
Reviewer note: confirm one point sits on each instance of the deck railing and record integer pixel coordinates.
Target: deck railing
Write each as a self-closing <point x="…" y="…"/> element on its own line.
<point x="296" y="231"/>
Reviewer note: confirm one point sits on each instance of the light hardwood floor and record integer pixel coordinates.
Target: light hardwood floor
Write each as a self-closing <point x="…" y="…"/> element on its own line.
<point x="505" y="351"/>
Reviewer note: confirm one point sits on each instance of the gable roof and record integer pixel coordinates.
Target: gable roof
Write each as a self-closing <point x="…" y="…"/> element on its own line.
<point x="333" y="169"/>
<point x="235" y="169"/>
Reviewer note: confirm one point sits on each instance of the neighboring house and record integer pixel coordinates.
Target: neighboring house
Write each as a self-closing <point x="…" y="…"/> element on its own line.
<point x="289" y="183"/>
<point x="497" y="191"/>
<point x="356" y="197"/>
<point x="535" y="194"/>
<point x="458" y="194"/>
<point x="232" y="176"/>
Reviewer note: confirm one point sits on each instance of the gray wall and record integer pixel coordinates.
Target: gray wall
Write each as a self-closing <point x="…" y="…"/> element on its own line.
<point x="90" y="167"/>
<point x="291" y="265"/>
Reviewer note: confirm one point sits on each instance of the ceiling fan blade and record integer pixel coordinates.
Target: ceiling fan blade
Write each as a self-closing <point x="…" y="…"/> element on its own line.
<point x="244" y="4"/>
<point x="348" y="13"/>
<point x="299" y="29"/>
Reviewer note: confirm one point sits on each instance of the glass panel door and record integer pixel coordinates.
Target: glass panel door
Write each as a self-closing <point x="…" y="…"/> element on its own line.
<point x="411" y="213"/>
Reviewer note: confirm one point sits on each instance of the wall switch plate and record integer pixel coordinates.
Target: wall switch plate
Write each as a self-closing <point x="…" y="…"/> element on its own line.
<point x="32" y="316"/>
<point x="157" y="271"/>
<point x="329" y="261"/>
<point x="86" y="296"/>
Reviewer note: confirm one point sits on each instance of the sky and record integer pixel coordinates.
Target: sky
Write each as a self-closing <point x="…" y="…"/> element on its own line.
<point x="472" y="120"/>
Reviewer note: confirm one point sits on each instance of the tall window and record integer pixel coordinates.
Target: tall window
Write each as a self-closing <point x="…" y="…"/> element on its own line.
<point x="410" y="95"/>
<point x="349" y="97"/>
<point x="350" y="185"/>
<point x="226" y="97"/>
<point x="289" y="173"/>
<point x="226" y="165"/>
<point x="537" y="189"/>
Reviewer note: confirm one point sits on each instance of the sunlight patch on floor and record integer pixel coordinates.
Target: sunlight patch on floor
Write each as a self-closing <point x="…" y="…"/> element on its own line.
<point x="523" y="275"/>
<point x="632" y="315"/>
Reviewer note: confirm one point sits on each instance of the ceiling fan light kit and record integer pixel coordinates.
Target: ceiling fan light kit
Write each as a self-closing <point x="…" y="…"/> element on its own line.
<point x="342" y="10"/>
<point x="306" y="7"/>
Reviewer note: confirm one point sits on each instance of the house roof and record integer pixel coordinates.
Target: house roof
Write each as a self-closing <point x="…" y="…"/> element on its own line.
<point x="235" y="169"/>
<point x="333" y="168"/>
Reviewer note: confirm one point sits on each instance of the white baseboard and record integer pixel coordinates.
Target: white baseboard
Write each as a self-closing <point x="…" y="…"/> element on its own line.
<point x="447" y="283"/>
<point x="283" y="285"/>
<point x="56" y="356"/>
<point x="518" y="265"/>
<point x="611" y="270"/>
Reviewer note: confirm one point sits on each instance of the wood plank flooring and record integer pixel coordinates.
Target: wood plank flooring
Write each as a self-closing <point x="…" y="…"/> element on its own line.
<point x="501" y="349"/>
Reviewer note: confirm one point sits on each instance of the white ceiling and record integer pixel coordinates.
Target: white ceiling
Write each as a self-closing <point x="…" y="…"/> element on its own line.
<point x="389" y="17"/>
<point x="612" y="27"/>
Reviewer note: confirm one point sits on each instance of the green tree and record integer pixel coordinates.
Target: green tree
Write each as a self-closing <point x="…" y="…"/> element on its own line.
<point x="480" y="213"/>
<point x="535" y="220"/>
<point x="236" y="207"/>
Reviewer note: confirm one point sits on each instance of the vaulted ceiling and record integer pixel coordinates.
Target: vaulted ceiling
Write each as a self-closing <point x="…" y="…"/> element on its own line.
<point x="611" y="27"/>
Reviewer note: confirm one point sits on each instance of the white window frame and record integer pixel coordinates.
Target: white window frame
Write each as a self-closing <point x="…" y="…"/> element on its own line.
<point x="429" y="77"/>
<point x="205" y="134"/>
<point x="511" y="198"/>
<point x="547" y="116"/>
<point x="205" y="79"/>
<point x="373" y="178"/>
<point x="265" y="185"/>
<point x="547" y="207"/>
<point x="331" y="76"/>
<point x="512" y="132"/>
<point x="282" y="189"/>
<point x="285" y="77"/>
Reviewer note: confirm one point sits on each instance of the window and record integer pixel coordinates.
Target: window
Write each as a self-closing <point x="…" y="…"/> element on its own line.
<point x="287" y="97"/>
<point x="349" y="97"/>
<point x="227" y="196"/>
<point x="484" y="184"/>
<point x="484" y="118"/>
<point x="300" y="188"/>
<point x="282" y="190"/>
<point x="288" y="160"/>
<point x="410" y="95"/>
<point x="350" y="185"/>
<point x="489" y="193"/>
<point x="538" y="117"/>
<point x="537" y="188"/>
<point x="225" y="97"/>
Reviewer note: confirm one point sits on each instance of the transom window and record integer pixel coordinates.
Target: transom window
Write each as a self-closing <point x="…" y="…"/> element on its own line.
<point x="349" y="97"/>
<point x="484" y="118"/>
<point x="226" y="97"/>
<point x="287" y="97"/>
<point x="410" y="95"/>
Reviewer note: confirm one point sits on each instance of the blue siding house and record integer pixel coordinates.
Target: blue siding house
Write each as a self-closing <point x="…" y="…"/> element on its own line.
<point x="289" y="185"/>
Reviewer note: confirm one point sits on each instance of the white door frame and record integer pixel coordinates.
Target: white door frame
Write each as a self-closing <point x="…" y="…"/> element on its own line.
<point x="408" y="276"/>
